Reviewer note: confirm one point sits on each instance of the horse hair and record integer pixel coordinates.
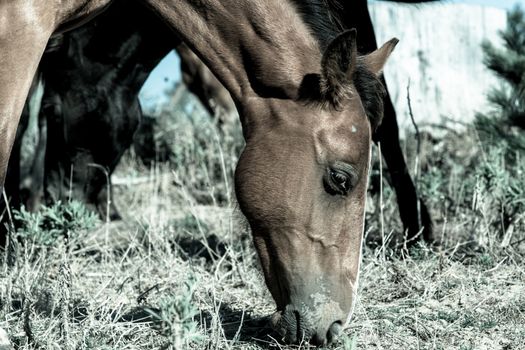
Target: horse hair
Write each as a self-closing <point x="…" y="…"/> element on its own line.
<point x="323" y="18"/>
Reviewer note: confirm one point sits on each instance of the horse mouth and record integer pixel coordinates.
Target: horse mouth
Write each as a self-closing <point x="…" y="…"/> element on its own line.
<point x="296" y="328"/>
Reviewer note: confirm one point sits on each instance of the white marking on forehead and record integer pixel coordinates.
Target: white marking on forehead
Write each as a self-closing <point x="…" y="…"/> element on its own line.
<point x="354" y="129"/>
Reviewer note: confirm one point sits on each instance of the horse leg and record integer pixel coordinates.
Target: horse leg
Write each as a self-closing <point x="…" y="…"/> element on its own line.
<point x="120" y="125"/>
<point x="413" y="212"/>
<point x="388" y="135"/>
<point x="17" y="193"/>
<point x="13" y="177"/>
<point x="22" y="42"/>
<point x="19" y="186"/>
<point x="32" y="194"/>
<point x="81" y="167"/>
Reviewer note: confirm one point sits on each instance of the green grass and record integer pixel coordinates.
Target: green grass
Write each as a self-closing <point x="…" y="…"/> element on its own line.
<point x="180" y="271"/>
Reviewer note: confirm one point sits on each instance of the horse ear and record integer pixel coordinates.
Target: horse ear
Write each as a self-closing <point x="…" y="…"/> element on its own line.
<point x="376" y="60"/>
<point x="337" y="65"/>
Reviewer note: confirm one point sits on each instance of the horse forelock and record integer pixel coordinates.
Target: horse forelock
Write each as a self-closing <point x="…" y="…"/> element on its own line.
<point x="368" y="86"/>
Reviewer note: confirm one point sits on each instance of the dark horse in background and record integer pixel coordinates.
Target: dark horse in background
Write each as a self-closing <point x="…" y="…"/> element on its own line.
<point x="308" y="104"/>
<point x="90" y="108"/>
<point x="92" y="77"/>
<point x="92" y="80"/>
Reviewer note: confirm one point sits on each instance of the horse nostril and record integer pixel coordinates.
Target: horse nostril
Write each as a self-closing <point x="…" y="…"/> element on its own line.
<point x="321" y="338"/>
<point x="297" y="327"/>
<point x="334" y="331"/>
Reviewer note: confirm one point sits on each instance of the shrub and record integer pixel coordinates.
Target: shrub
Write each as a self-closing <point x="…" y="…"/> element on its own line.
<point x="175" y="318"/>
<point x="49" y="224"/>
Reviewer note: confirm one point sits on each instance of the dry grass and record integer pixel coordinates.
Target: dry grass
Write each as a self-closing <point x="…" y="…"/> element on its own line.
<point x="180" y="271"/>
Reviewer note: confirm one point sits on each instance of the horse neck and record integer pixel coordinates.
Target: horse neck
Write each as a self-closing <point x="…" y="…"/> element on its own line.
<point x="255" y="47"/>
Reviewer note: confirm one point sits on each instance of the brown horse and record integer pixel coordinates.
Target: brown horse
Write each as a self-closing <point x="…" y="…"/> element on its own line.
<point x="92" y="82"/>
<point x="307" y="112"/>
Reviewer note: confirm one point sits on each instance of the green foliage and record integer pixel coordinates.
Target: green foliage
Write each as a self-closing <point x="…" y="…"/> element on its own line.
<point x="486" y="260"/>
<point x="432" y="184"/>
<point x="482" y="187"/>
<point x="448" y="316"/>
<point x="499" y="195"/>
<point x="175" y="319"/>
<point x="49" y="224"/>
<point x="349" y="343"/>
<point x="505" y="124"/>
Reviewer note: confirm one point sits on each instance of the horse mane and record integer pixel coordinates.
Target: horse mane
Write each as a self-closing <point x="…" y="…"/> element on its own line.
<point x="372" y="92"/>
<point x="324" y="18"/>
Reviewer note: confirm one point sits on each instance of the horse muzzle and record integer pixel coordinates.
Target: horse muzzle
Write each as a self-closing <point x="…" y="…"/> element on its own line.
<point x="301" y="324"/>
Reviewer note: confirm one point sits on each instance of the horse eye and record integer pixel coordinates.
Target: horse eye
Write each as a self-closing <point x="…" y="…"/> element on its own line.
<point x="338" y="181"/>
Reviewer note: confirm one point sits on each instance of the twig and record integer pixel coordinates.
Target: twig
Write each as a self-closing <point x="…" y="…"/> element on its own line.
<point x="418" y="153"/>
<point x="381" y="200"/>
<point x="142" y="297"/>
<point x="70" y="190"/>
<point x="9" y="256"/>
<point x="7" y="208"/>
<point x="238" y="333"/>
<point x="27" y="304"/>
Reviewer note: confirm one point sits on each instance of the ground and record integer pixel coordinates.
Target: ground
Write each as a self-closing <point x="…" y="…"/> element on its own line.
<point x="180" y="270"/>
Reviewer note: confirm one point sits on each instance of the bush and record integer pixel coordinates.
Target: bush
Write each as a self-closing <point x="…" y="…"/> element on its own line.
<point x="175" y="318"/>
<point x="61" y="220"/>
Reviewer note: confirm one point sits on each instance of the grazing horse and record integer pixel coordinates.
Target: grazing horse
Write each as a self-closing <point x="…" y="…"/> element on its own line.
<point x="307" y="107"/>
<point x="73" y="105"/>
